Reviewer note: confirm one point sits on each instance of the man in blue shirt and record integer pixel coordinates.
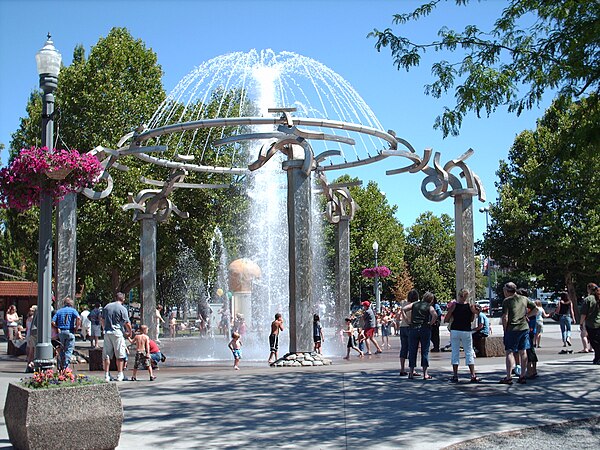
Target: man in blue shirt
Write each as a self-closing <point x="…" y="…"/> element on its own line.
<point x="67" y="320"/>
<point x="482" y="330"/>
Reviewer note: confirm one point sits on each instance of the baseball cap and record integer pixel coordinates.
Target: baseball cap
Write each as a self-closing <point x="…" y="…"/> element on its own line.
<point x="366" y="303"/>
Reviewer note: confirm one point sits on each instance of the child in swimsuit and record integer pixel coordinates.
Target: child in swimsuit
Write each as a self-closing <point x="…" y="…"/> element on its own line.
<point x="235" y="345"/>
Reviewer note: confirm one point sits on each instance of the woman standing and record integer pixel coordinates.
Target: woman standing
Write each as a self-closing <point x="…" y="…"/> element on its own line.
<point x="422" y="316"/>
<point x="565" y="311"/>
<point x="462" y="314"/>
<point x="405" y="319"/>
<point x="12" y="322"/>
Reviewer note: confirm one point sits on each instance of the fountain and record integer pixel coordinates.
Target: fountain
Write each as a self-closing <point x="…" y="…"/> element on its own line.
<point x="288" y="119"/>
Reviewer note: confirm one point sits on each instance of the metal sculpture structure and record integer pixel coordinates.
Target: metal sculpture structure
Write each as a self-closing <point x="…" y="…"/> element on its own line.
<point x="218" y="97"/>
<point x="445" y="184"/>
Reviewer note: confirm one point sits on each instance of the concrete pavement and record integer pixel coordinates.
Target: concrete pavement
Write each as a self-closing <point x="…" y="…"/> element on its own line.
<point x="355" y="404"/>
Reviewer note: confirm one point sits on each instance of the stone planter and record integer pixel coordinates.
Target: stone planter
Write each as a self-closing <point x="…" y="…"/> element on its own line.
<point x="81" y="417"/>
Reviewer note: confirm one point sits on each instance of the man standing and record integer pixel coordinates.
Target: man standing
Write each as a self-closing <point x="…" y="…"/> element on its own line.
<point x="369" y="325"/>
<point x="115" y="321"/>
<point x="590" y="321"/>
<point x="66" y="320"/>
<point x="276" y="327"/>
<point x="515" y="309"/>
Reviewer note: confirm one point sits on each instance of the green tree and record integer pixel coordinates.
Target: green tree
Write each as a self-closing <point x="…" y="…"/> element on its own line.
<point x="546" y="221"/>
<point x="430" y="255"/>
<point x="101" y="98"/>
<point x="533" y="47"/>
<point x="374" y="221"/>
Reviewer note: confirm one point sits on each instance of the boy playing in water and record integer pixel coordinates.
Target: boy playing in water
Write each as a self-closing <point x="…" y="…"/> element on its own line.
<point x="142" y="352"/>
<point x="235" y="345"/>
<point x="351" y="339"/>
<point x="276" y="327"/>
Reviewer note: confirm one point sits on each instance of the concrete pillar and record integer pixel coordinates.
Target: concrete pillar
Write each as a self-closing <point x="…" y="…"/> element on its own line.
<point x="66" y="248"/>
<point x="299" y="256"/>
<point x="148" y="274"/>
<point x="342" y="270"/>
<point x="464" y="250"/>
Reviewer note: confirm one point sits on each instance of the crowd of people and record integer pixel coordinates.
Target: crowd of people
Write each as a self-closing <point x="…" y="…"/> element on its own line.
<point x="415" y="320"/>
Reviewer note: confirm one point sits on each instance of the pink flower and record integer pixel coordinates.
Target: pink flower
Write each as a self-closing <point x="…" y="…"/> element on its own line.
<point x="25" y="179"/>
<point x="379" y="271"/>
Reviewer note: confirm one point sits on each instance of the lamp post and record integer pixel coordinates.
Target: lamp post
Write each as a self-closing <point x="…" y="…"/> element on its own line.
<point x="377" y="299"/>
<point x="486" y="210"/>
<point x="48" y="65"/>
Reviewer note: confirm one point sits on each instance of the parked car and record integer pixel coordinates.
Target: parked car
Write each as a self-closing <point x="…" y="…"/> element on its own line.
<point x="485" y="305"/>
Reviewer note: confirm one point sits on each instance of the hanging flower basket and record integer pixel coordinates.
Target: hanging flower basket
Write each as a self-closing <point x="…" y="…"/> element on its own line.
<point x="379" y="271"/>
<point x="37" y="170"/>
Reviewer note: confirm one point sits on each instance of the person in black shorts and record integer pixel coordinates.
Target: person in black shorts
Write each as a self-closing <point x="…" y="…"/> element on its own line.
<point x="276" y="327"/>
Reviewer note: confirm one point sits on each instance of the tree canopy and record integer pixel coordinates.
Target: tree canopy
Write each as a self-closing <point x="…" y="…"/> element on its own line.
<point x="535" y="46"/>
<point x="100" y="99"/>
<point x="374" y="221"/>
<point x="547" y="220"/>
<point x="430" y="255"/>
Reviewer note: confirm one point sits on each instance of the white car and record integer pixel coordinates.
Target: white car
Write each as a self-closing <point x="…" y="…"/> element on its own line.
<point x="485" y="305"/>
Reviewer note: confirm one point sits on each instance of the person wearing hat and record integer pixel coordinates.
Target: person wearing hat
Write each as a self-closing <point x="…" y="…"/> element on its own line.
<point x="370" y="323"/>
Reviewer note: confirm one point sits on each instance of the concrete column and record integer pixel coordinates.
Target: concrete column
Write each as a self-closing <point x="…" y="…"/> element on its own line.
<point x="342" y="270"/>
<point x="66" y="248"/>
<point x="148" y="274"/>
<point x="464" y="250"/>
<point x="299" y="256"/>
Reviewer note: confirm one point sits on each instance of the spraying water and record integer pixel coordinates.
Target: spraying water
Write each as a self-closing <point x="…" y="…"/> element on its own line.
<point x="248" y="84"/>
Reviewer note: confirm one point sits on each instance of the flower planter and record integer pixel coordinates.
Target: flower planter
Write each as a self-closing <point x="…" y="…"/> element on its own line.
<point x="79" y="417"/>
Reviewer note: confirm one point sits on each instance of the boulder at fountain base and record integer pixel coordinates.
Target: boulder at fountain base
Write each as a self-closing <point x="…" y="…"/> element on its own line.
<point x="301" y="359"/>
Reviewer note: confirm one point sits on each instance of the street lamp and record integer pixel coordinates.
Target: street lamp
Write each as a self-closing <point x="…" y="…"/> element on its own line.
<point x="377" y="299"/>
<point x="486" y="210"/>
<point x="48" y="65"/>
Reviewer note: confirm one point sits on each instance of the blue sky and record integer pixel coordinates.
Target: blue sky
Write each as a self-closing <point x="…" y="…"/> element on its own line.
<point x="186" y="33"/>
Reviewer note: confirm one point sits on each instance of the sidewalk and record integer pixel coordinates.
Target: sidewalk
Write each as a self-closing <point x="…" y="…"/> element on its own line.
<point x="355" y="404"/>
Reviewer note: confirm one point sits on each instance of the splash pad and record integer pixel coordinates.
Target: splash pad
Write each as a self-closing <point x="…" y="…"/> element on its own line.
<point x="284" y="119"/>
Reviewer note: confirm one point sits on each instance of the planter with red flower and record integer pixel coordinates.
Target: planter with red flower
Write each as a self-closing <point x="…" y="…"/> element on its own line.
<point x="379" y="271"/>
<point x="50" y="410"/>
<point x="38" y="170"/>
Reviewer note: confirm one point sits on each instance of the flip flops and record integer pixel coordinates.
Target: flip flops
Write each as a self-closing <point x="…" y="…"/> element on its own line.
<point x="475" y="380"/>
<point x="506" y="381"/>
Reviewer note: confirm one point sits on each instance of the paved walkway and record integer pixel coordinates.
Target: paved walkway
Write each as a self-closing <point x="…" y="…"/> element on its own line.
<point x="355" y="404"/>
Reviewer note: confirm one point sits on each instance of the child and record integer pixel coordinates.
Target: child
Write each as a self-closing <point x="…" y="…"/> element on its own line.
<point x="142" y="352"/>
<point x="351" y="340"/>
<point x="317" y="333"/>
<point x="361" y="338"/>
<point x="235" y="345"/>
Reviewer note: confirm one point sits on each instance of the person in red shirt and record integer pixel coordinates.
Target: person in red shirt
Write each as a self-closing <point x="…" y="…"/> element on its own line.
<point x="155" y="354"/>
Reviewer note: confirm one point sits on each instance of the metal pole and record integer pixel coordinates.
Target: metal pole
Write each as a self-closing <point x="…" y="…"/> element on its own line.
<point x="377" y="299"/>
<point x="44" y="355"/>
<point x="489" y="264"/>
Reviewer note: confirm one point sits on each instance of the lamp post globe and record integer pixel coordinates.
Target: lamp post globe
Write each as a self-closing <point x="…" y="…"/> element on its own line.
<point x="48" y="61"/>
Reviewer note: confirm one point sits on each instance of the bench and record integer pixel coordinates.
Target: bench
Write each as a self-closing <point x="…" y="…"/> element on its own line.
<point x="490" y="346"/>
